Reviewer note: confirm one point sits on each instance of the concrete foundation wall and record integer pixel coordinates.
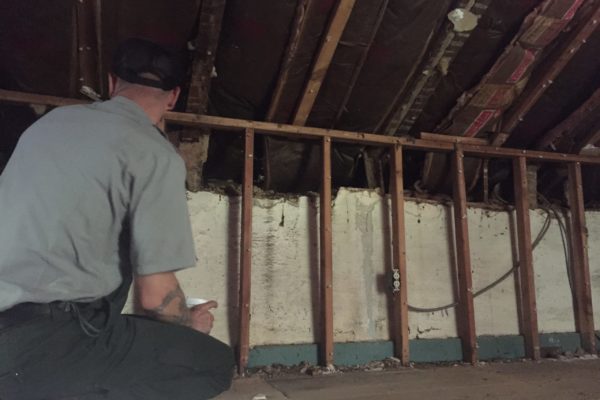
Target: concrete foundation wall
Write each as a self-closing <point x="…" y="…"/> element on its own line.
<point x="285" y="271"/>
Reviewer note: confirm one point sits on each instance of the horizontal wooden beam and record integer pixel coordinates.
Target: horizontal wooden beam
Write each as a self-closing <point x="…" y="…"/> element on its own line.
<point x="453" y="138"/>
<point x="232" y="125"/>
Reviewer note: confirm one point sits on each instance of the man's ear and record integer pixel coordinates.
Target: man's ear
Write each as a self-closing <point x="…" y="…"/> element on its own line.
<point x="173" y="96"/>
<point x="112" y="85"/>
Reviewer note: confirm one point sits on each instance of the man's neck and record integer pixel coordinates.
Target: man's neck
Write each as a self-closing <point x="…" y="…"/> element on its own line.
<point x="152" y="110"/>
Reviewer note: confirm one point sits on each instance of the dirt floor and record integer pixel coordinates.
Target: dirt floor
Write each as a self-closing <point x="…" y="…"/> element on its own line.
<point x="550" y="379"/>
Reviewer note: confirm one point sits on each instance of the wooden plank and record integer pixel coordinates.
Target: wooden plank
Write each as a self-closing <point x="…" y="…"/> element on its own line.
<point x="204" y="49"/>
<point x="409" y="106"/>
<point x="326" y="247"/>
<point x="529" y="325"/>
<point x="552" y="68"/>
<point x="359" y="66"/>
<point x="246" y="251"/>
<point x="582" y="115"/>
<point x="231" y="125"/>
<point x="498" y="139"/>
<point x="465" y="310"/>
<point x="194" y="142"/>
<point x="453" y="138"/>
<point x="323" y="60"/>
<point x="401" y="329"/>
<point x="87" y="49"/>
<point x="298" y="28"/>
<point x="584" y="314"/>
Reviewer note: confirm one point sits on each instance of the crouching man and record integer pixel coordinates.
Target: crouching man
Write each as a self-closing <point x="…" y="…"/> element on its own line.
<point x="91" y="201"/>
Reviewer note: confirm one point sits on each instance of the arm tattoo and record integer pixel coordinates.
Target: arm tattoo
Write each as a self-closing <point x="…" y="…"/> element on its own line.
<point x="172" y="309"/>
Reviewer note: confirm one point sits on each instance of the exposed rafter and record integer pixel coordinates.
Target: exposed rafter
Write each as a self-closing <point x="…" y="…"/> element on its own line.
<point x="445" y="48"/>
<point x="88" y="53"/>
<point x="194" y="143"/>
<point x="361" y="62"/>
<point x="587" y="117"/>
<point x="552" y="69"/>
<point x="298" y="29"/>
<point x="483" y="105"/>
<point x="323" y="60"/>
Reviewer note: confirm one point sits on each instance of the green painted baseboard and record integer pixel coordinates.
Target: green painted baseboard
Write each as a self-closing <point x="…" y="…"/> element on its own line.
<point x="421" y="350"/>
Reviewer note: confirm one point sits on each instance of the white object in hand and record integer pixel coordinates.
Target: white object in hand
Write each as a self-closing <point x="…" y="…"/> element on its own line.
<point x="194" y="301"/>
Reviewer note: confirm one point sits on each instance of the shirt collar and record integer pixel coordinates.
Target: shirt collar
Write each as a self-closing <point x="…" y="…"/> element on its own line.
<point x="127" y="108"/>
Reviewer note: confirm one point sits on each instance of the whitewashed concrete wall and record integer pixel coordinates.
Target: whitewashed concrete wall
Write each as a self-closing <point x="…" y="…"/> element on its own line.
<point x="285" y="268"/>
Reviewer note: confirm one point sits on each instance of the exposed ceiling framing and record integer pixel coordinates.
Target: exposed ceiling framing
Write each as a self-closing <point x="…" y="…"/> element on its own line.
<point x="323" y="60"/>
<point x="442" y="53"/>
<point x="552" y="68"/>
<point x="580" y="129"/>
<point x="392" y="67"/>
<point x="194" y="144"/>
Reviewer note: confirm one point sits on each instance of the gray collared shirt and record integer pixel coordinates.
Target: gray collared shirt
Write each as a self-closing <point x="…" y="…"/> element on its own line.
<point x="88" y="188"/>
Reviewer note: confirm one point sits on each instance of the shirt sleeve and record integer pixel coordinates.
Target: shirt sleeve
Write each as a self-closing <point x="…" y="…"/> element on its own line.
<point x="161" y="233"/>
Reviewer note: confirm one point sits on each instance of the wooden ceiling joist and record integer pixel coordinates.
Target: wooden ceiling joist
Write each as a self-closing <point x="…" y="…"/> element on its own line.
<point x="361" y="62"/>
<point x="446" y="47"/>
<point x="298" y="29"/>
<point x="323" y="60"/>
<point x="585" y="115"/>
<point x="88" y="52"/>
<point x="193" y="144"/>
<point x="204" y="47"/>
<point x="552" y="68"/>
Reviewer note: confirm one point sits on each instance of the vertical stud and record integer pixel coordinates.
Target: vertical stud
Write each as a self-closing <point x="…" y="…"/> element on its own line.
<point x="401" y="347"/>
<point x="466" y="311"/>
<point x="584" y="314"/>
<point x="246" y="250"/>
<point x="529" y="326"/>
<point x="326" y="255"/>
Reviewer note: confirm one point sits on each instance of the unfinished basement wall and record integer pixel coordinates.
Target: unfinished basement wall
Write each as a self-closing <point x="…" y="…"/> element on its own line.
<point x="285" y="268"/>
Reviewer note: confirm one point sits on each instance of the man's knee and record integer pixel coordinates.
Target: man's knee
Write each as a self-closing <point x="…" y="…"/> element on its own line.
<point x="225" y="365"/>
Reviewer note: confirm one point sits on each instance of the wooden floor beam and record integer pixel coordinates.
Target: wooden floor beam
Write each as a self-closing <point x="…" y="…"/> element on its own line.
<point x="584" y="314"/>
<point x="529" y="325"/>
<point x="466" y="310"/>
<point x="401" y="331"/>
<point x="326" y="247"/>
<point x="246" y="251"/>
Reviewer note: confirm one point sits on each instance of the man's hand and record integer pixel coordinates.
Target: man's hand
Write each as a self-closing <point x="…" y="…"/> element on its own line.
<point x="202" y="318"/>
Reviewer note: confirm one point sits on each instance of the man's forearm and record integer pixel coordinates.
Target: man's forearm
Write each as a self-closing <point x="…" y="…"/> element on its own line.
<point x="163" y="299"/>
<point x="172" y="309"/>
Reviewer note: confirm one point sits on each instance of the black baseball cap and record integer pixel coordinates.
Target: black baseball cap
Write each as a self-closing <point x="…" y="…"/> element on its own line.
<point x="135" y="57"/>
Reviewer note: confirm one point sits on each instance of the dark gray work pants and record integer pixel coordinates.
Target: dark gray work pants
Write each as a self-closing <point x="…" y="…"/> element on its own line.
<point x="51" y="357"/>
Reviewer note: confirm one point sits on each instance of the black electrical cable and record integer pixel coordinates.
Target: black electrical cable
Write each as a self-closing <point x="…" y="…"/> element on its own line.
<point x="508" y="273"/>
